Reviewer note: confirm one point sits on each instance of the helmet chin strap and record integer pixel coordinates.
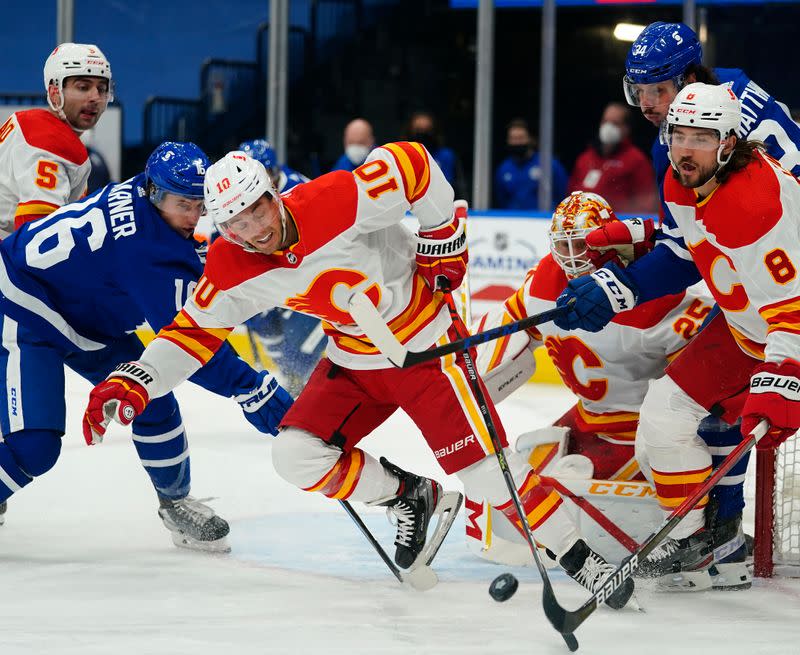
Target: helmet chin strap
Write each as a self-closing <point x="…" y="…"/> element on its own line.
<point x="60" y="111"/>
<point x="282" y="212"/>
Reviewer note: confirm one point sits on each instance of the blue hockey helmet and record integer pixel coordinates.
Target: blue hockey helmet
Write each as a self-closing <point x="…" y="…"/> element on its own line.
<point x="260" y="150"/>
<point x="661" y="52"/>
<point x="177" y="168"/>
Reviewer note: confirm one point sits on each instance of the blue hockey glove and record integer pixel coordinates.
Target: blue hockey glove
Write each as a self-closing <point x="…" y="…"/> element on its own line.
<point x="598" y="298"/>
<point x="265" y="405"/>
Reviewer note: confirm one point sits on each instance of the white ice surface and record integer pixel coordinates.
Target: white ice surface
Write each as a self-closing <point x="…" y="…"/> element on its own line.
<point x="87" y="568"/>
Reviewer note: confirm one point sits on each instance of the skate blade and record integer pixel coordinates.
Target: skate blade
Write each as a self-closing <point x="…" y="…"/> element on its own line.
<point x="183" y="541"/>
<point x="685" y="581"/>
<point x="733" y="576"/>
<point x="421" y="578"/>
<point x="419" y="575"/>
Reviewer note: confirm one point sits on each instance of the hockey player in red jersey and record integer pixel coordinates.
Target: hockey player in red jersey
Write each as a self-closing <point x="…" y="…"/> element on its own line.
<point x="43" y="163"/>
<point x="310" y="250"/>
<point x="736" y="212"/>
<point x="609" y="372"/>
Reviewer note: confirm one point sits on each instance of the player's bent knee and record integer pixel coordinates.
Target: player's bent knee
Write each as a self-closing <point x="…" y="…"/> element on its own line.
<point x="668" y="415"/>
<point x="301" y="458"/>
<point x="35" y="451"/>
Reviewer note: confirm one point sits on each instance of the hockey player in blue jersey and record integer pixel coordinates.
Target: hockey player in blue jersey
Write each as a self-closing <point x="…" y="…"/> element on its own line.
<point x="665" y="57"/>
<point x="75" y="285"/>
<point x="294" y="342"/>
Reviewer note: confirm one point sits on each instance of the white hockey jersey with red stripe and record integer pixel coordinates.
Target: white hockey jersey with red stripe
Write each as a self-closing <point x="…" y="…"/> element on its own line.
<point x="350" y="238"/>
<point x="744" y="239"/>
<point x="43" y="166"/>
<point x="608" y="370"/>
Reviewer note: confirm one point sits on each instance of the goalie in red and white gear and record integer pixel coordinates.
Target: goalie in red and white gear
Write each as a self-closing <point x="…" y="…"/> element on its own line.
<point x="608" y="371"/>
<point x="308" y="250"/>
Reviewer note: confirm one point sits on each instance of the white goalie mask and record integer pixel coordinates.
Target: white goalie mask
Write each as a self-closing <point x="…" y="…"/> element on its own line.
<point x="233" y="184"/>
<point x="577" y="215"/>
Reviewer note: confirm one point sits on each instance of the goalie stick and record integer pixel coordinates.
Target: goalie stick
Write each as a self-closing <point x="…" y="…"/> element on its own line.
<point x="369" y="319"/>
<point x="385" y="341"/>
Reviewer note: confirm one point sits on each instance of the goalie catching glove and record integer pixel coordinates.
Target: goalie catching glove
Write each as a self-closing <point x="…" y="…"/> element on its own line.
<point x="774" y="396"/>
<point x="621" y="242"/>
<point x="442" y="251"/>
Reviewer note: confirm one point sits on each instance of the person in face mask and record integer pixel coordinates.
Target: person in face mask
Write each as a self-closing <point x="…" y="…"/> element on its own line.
<point x="422" y="127"/>
<point x="516" y="180"/>
<point x="614" y="167"/>
<point x="359" y="140"/>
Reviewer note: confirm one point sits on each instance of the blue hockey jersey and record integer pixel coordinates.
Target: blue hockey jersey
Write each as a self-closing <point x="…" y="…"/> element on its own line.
<point x="94" y="270"/>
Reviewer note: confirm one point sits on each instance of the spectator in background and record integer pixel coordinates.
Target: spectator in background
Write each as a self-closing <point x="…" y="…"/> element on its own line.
<point x="614" y="168"/>
<point x="359" y="140"/>
<point x="516" y="180"/>
<point x="423" y="128"/>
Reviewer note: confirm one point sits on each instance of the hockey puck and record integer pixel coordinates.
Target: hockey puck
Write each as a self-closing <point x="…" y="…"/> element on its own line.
<point x="503" y="587"/>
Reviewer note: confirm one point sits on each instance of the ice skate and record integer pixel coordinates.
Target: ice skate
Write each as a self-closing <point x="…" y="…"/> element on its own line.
<point x="729" y="571"/>
<point x="589" y="569"/>
<point x="3" y="508"/>
<point x="682" y="564"/>
<point x="194" y="525"/>
<point x="417" y="502"/>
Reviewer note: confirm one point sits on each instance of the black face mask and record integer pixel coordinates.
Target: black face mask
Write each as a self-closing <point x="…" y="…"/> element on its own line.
<point x="518" y="152"/>
<point x="425" y="138"/>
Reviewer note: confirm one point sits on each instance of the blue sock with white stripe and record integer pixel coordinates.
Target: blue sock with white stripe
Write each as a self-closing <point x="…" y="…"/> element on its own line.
<point x="160" y="440"/>
<point x="721" y="439"/>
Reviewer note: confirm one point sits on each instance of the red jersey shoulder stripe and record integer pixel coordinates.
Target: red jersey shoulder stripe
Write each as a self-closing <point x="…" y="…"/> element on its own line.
<point x="549" y="280"/>
<point x="42" y="129"/>
<point x="412" y="160"/>
<point x="322" y="209"/>
<point x="650" y="313"/>
<point x="746" y="207"/>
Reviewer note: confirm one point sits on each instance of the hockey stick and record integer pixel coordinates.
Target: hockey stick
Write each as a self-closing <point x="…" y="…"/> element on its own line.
<point x="569" y="621"/>
<point x="369" y="319"/>
<point x="380" y="334"/>
<point x="552" y="608"/>
<point x="420" y="578"/>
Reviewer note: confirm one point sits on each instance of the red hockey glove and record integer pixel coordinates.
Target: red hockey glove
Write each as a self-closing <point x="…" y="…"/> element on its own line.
<point x="120" y="397"/>
<point x="621" y="241"/>
<point x="442" y="251"/>
<point x="774" y="396"/>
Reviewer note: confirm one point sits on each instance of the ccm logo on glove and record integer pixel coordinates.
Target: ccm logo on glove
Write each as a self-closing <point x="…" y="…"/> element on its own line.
<point x="620" y="296"/>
